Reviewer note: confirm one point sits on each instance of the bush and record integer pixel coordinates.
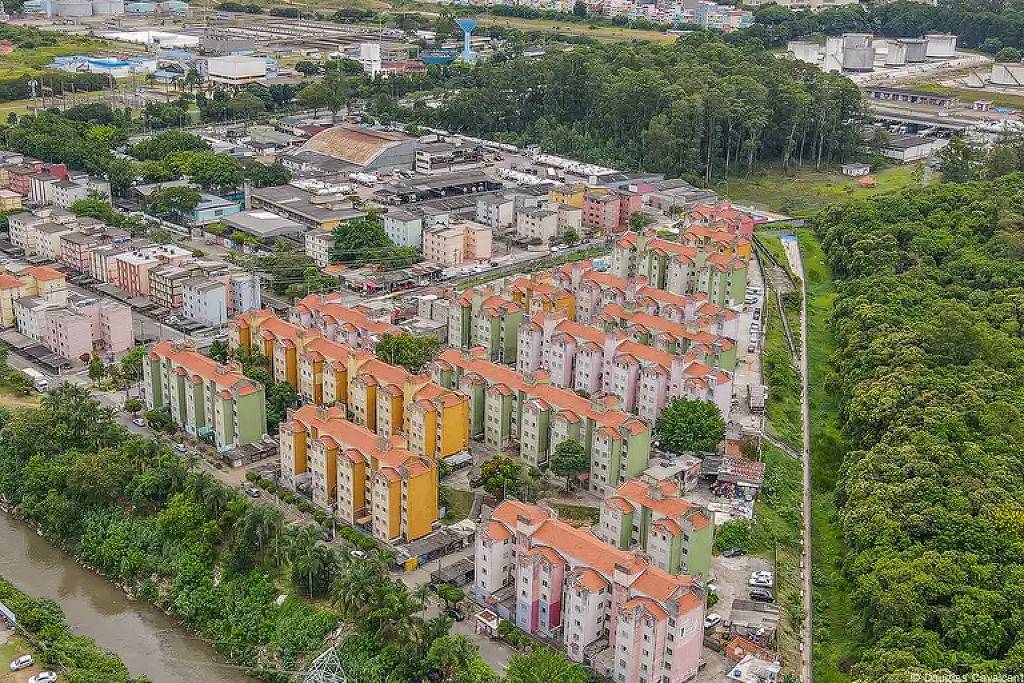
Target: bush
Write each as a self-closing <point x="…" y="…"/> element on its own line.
<point x="251" y="476"/>
<point x="734" y="533"/>
<point x="305" y="506"/>
<point x="264" y="484"/>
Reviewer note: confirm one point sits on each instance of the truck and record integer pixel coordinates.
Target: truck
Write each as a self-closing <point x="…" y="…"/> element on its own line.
<point x="39" y="381"/>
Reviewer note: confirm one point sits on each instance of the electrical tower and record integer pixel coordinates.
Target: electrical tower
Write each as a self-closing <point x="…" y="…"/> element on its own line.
<point x="325" y="669"/>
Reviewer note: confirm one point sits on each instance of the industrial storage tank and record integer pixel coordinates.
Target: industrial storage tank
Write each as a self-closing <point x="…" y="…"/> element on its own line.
<point x="73" y="8"/>
<point x="1011" y="75"/>
<point x="859" y="59"/>
<point x="804" y="50"/>
<point x="941" y="45"/>
<point x="853" y="41"/>
<point x="833" y="54"/>
<point x="896" y="54"/>
<point x="107" y="8"/>
<point x="917" y="50"/>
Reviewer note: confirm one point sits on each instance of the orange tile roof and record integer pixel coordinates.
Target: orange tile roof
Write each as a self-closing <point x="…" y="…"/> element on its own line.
<point x="497" y="531"/>
<point x="331" y="423"/>
<point x="658" y="323"/>
<point x="8" y="281"/>
<point x="621" y="503"/>
<point x="44" y="273"/>
<point x="591" y="580"/>
<point x="546" y="552"/>
<point x="329" y="306"/>
<point x="193" y="363"/>
<point x="651" y="606"/>
<point x="672" y="505"/>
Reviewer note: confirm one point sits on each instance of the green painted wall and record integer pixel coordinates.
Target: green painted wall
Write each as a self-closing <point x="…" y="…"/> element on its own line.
<point x="698" y="555"/>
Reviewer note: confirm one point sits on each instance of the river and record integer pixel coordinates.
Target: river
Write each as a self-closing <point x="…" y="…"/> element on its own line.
<point x="148" y="641"/>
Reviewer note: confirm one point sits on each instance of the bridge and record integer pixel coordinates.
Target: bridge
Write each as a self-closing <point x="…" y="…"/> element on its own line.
<point x="947" y="123"/>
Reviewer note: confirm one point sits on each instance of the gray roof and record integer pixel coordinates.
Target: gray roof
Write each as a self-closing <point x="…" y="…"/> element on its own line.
<point x="263" y="224"/>
<point x="290" y="199"/>
<point x="908" y="142"/>
<point x="212" y="201"/>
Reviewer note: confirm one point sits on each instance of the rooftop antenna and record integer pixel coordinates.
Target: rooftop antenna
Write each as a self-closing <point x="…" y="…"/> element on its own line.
<point x="467" y="26"/>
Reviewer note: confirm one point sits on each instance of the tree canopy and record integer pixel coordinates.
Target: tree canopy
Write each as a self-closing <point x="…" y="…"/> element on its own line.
<point x="689" y="425"/>
<point x="411" y="351"/>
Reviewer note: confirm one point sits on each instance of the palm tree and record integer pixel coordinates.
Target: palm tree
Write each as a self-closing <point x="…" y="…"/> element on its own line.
<point x="544" y="666"/>
<point x="209" y="493"/>
<point x="308" y="556"/>
<point x="422" y="594"/>
<point x="393" y="618"/>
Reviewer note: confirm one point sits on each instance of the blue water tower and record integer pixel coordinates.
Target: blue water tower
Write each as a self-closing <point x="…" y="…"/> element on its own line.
<point x="467" y="26"/>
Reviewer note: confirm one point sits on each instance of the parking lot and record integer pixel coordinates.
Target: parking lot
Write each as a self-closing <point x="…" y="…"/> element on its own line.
<point x="732" y="575"/>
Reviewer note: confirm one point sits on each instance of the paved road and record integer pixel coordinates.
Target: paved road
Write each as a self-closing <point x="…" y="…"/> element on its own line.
<point x="792" y="248"/>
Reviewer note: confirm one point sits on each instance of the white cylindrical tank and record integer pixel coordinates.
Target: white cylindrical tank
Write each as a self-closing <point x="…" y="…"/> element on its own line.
<point x="941" y="46"/>
<point x="859" y="59"/>
<point x="1010" y="75"/>
<point x="73" y="8"/>
<point x="897" y="54"/>
<point x="917" y="50"/>
<point x="856" y="40"/>
<point x="804" y="50"/>
<point x="107" y="8"/>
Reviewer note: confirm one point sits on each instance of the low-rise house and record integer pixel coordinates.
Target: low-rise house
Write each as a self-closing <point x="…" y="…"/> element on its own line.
<point x="631" y="621"/>
<point x="205" y="398"/>
<point x="363" y="479"/>
<point x="537" y="224"/>
<point x="301" y="206"/>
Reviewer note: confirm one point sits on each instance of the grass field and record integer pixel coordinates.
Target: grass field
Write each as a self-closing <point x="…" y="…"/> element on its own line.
<point x="32" y="60"/>
<point x="15" y="399"/>
<point x="9" y="651"/>
<point x="459" y="504"/>
<point x="973" y="95"/>
<point x="804" y="193"/>
<point x="573" y="29"/>
<point x="577" y="515"/>
<point x="835" y="627"/>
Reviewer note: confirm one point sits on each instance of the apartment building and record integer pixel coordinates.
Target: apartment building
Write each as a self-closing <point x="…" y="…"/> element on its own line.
<point x="9" y="201"/>
<point x="385" y="398"/>
<point x="496" y="211"/>
<point x="76" y="249"/>
<point x="364" y="479"/>
<point x="11" y="289"/>
<point x="607" y="212"/>
<point x="643" y="378"/>
<point x="44" y="282"/>
<point x="77" y="326"/>
<point x="595" y="291"/>
<point x="77" y="187"/>
<point x="653" y="517"/>
<point x="670" y="336"/>
<point x="205" y="301"/>
<point x="352" y="326"/>
<point x="205" y="398"/>
<point x="506" y="406"/>
<point x="318" y="246"/>
<point x="631" y="621"/>
<point x="457" y="243"/>
<point x="134" y="267"/>
<point x="166" y="282"/>
<point x="537" y="294"/>
<point x="537" y="224"/>
<point x="22" y="225"/>
<point x="681" y="268"/>
<point x="477" y="317"/>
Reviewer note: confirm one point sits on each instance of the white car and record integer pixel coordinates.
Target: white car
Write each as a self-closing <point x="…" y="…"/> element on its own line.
<point x="43" y="677"/>
<point x="22" y="662"/>
<point x="712" y="620"/>
<point x="764" y="573"/>
<point x="761" y="582"/>
<point x="139" y="422"/>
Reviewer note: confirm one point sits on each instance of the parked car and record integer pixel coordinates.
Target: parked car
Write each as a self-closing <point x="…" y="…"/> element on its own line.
<point x="357" y="553"/>
<point x="252" y="492"/>
<point x="139" y="422"/>
<point x="757" y="314"/>
<point x="761" y="595"/>
<point x="43" y="677"/>
<point x="455" y="613"/>
<point x="712" y="620"/>
<point x="761" y="582"/>
<point x="22" y="662"/>
<point x="763" y="574"/>
<point x="181" y="448"/>
<point x="734" y="552"/>
<point x="751" y="347"/>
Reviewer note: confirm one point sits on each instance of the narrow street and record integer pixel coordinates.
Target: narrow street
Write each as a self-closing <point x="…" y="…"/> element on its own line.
<point x="792" y="248"/>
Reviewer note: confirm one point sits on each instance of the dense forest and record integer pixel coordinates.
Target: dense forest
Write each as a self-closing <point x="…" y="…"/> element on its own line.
<point x="697" y="108"/>
<point x="984" y="24"/>
<point x="929" y="330"/>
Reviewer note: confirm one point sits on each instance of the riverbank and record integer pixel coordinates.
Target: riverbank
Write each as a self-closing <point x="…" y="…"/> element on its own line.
<point x="146" y="640"/>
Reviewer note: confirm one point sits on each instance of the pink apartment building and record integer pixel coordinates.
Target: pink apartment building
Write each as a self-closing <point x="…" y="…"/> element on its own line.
<point x="344" y="324"/>
<point x="628" y="619"/>
<point x="609" y="212"/>
<point x="100" y="325"/>
<point x="133" y="267"/>
<point x="644" y="378"/>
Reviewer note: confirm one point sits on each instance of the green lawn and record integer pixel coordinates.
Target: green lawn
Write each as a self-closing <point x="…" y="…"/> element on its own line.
<point x="9" y="651"/>
<point x="777" y="511"/>
<point x="803" y="193"/>
<point x="32" y="60"/>
<point x="998" y="99"/>
<point x="835" y="627"/>
<point x="459" y="504"/>
<point x="781" y="375"/>
<point x="577" y="515"/>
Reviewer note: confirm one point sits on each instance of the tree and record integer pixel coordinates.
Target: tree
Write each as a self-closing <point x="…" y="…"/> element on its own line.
<point x="307" y="68"/>
<point x="959" y="161"/>
<point x="579" y="9"/>
<point x="690" y="425"/>
<point x="162" y="145"/>
<point x="571" y="236"/>
<point x="638" y="220"/>
<point x="410" y="351"/>
<point x="245" y="105"/>
<point x="312" y="562"/>
<point x="280" y="398"/>
<point x="160" y="421"/>
<point x="219" y="351"/>
<point x="451" y="595"/>
<point x="262" y="175"/>
<point x="312" y="96"/>
<point x="134" y="405"/>
<point x="131" y="363"/>
<point x="217" y="172"/>
<point x="174" y="201"/>
<point x="569" y="460"/>
<point x="1008" y="54"/>
<point x="501" y="476"/>
<point x="544" y="666"/>
<point x="96" y="369"/>
<point x="98" y="209"/>
<point x="456" y="659"/>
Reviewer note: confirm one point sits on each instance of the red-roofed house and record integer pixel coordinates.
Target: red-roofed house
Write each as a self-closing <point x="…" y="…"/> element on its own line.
<point x="632" y="621"/>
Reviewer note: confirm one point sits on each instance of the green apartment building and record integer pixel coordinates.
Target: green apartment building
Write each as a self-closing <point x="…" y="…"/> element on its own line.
<point x="203" y="397"/>
<point x="479" y="318"/>
<point x="506" y="407"/>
